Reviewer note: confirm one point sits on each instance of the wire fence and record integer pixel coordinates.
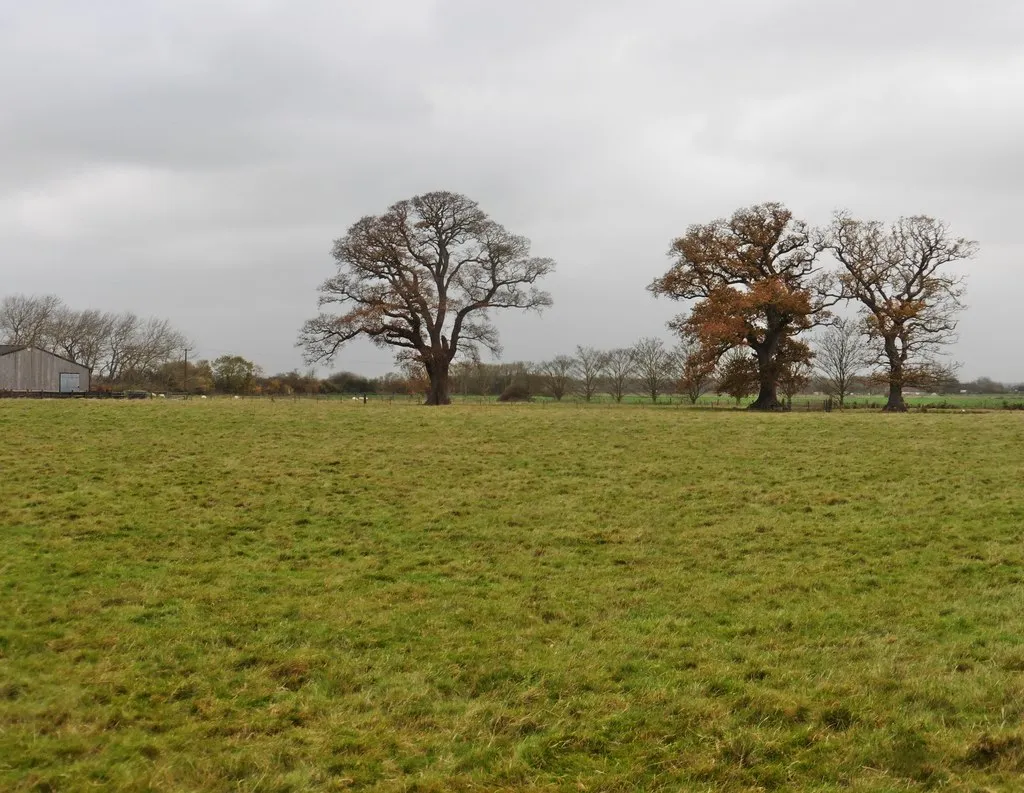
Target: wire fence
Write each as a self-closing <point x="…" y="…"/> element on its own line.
<point x="816" y="403"/>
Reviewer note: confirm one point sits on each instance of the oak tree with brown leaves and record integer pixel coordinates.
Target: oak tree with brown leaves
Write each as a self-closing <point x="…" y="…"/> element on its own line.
<point x="755" y="279"/>
<point x="910" y="301"/>
<point x="423" y="278"/>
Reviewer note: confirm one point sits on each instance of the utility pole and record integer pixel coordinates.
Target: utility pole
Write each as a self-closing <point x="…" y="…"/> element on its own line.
<point x="186" y="373"/>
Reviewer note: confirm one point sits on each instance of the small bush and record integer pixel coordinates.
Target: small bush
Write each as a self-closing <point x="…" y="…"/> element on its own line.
<point x="517" y="392"/>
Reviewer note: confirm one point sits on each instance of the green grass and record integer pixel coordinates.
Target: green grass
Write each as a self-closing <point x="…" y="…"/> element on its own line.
<point x="292" y="596"/>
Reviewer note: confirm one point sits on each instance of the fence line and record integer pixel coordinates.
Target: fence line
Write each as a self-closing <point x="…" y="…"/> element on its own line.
<point x="801" y="404"/>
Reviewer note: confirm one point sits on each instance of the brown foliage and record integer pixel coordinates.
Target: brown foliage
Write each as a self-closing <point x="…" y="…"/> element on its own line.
<point x="756" y="284"/>
<point x="737" y="375"/>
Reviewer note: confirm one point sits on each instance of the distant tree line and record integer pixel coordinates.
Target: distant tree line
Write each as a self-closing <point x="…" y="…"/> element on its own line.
<point x="423" y="278"/>
<point x="120" y="348"/>
<point x="649" y="370"/>
<point x="126" y="352"/>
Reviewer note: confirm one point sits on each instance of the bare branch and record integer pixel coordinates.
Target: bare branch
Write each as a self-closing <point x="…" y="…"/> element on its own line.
<point x="841" y="354"/>
<point x="423" y="277"/>
<point x="909" y="301"/>
<point x="621" y="366"/>
<point x="653" y="366"/>
<point x="589" y="367"/>
<point x="557" y="376"/>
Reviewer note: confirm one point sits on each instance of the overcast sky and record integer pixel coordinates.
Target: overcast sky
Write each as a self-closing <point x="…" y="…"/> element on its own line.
<point x="194" y="159"/>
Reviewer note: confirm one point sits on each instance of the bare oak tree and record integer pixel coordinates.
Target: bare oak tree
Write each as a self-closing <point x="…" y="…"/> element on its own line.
<point x="756" y="284"/>
<point x="156" y="341"/>
<point x="696" y="370"/>
<point x="118" y="350"/>
<point x="909" y="300"/>
<point x="653" y="366"/>
<point x="556" y="375"/>
<point x="588" y="368"/>
<point x="840" y="356"/>
<point x="422" y="278"/>
<point x="134" y="347"/>
<point x="80" y="335"/>
<point x="26" y="319"/>
<point x="794" y="379"/>
<point x="621" y="367"/>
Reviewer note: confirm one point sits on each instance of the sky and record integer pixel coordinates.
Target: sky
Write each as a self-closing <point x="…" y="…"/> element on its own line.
<point x="195" y="159"/>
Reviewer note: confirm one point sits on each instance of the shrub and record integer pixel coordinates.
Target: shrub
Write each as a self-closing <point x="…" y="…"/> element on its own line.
<point x="516" y="392"/>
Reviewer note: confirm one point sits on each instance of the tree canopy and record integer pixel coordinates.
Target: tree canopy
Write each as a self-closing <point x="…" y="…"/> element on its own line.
<point x="757" y="285"/>
<point x="423" y="278"/>
<point x="908" y="296"/>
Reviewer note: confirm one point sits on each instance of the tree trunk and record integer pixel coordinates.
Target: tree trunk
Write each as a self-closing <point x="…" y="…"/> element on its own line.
<point x="767" y="396"/>
<point x="437" y="394"/>
<point x="896" y="403"/>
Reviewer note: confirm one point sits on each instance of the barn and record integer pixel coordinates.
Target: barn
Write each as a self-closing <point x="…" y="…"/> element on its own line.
<point x="24" y="368"/>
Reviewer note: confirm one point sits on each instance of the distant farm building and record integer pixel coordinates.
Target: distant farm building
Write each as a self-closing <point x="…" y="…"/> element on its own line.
<point x="31" y="369"/>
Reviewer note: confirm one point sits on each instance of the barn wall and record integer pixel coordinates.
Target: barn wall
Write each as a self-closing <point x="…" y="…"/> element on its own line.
<point x="37" y="370"/>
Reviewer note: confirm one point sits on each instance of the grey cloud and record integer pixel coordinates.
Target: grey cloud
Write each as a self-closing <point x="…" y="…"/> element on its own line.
<point x="195" y="159"/>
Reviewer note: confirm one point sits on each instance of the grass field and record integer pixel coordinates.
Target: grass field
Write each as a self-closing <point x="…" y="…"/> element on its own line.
<point x="292" y="596"/>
